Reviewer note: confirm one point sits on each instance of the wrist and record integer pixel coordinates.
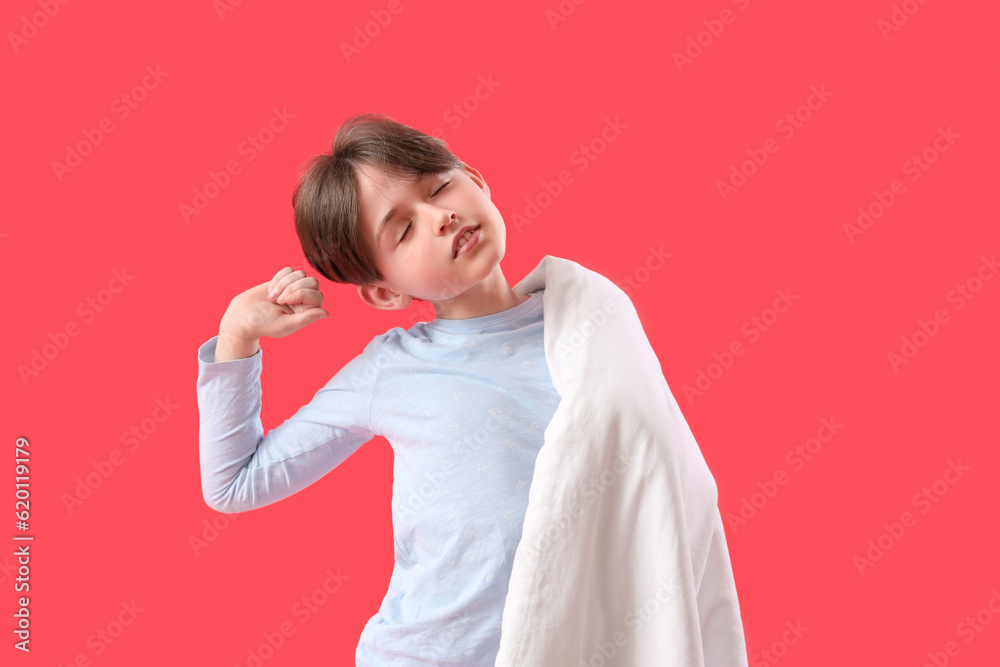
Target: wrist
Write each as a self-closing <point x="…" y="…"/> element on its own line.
<point x="231" y="346"/>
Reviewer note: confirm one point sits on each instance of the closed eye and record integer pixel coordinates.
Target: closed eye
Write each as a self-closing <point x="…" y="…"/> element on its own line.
<point x="407" y="230"/>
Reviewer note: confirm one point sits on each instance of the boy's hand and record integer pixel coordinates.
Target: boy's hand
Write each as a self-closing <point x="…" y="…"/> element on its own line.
<point x="275" y="309"/>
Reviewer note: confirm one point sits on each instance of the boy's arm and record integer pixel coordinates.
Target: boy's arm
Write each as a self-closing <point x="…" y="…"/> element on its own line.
<point x="230" y="348"/>
<point x="243" y="469"/>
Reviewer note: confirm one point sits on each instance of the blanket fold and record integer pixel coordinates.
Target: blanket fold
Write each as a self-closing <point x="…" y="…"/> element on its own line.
<point x="623" y="559"/>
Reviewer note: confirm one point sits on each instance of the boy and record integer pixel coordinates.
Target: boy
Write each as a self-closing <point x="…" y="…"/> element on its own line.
<point x="464" y="400"/>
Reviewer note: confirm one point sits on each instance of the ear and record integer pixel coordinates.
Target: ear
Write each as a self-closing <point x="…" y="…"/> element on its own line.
<point x="383" y="298"/>
<point x="477" y="178"/>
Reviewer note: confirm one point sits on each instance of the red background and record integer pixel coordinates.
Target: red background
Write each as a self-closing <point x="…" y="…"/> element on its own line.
<point x="655" y="185"/>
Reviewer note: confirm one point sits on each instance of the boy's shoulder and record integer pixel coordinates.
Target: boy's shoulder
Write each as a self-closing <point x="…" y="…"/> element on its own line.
<point x="396" y="334"/>
<point x="395" y="337"/>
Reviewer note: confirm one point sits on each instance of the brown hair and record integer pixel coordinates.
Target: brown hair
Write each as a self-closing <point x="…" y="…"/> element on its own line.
<point x="326" y="202"/>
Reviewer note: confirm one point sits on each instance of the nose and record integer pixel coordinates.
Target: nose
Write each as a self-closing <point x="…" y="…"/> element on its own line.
<point x="442" y="219"/>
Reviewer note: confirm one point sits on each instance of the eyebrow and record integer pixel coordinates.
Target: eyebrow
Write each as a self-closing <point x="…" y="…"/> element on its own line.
<point x="395" y="209"/>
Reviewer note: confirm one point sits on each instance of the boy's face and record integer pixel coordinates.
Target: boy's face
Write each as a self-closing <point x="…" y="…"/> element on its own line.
<point x="415" y="248"/>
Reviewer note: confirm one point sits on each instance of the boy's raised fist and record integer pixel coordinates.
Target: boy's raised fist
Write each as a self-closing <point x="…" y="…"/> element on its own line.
<point x="287" y="303"/>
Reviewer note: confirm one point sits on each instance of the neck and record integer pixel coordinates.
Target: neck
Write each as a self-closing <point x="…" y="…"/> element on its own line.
<point x="492" y="295"/>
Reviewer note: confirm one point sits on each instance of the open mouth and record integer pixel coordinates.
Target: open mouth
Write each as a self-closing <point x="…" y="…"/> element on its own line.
<point x="464" y="241"/>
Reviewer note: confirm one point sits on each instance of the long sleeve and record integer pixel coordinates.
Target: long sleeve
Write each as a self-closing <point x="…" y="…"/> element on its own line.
<point x="243" y="469"/>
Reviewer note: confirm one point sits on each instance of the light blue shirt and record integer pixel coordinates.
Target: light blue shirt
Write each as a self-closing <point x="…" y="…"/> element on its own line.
<point x="464" y="405"/>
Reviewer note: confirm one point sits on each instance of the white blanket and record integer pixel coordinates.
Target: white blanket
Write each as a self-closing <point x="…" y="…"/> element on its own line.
<point x="623" y="559"/>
